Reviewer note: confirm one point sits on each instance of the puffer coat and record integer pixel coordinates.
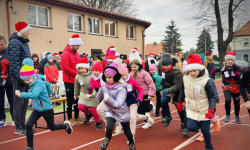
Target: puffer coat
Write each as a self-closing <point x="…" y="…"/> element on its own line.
<point x="115" y="106"/>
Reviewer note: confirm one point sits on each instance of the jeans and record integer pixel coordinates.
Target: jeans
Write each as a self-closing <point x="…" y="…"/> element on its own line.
<point x="9" y="92"/>
<point x="215" y="89"/>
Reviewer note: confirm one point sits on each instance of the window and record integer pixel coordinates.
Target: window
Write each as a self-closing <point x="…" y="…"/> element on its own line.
<point x="246" y="42"/>
<point x="110" y="28"/>
<point x="245" y="57"/>
<point x="94" y="25"/>
<point x="130" y="32"/>
<point x="38" y="16"/>
<point x="74" y="22"/>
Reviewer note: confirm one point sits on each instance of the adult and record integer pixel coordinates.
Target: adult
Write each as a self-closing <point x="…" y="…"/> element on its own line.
<point x="151" y="60"/>
<point x="209" y="62"/>
<point x="5" y="82"/>
<point x="18" y="50"/>
<point x="245" y="87"/>
<point x="37" y="65"/>
<point x="135" y="55"/>
<point x="110" y="50"/>
<point x="159" y="56"/>
<point x="183" y="62"/>
<point x="44" y="61"/>
<point x="91" y="60"/>
<point x="70" y="58"/>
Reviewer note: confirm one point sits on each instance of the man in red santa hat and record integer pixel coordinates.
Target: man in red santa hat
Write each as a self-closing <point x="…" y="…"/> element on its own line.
<point x="135" y="55"/>
<point x="151" y="60"/>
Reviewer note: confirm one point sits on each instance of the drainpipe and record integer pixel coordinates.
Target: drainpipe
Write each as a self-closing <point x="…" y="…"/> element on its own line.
<point x="143" y="38"/>
<point x="8" y="16"/>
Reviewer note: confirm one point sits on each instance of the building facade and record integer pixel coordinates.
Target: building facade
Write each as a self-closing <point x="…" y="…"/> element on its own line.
<point x="54" y="22"/>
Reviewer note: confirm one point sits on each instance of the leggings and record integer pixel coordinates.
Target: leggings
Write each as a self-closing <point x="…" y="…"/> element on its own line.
<point x="49" y="118"/>
<point x="158" y="103"/>
<point x="194" y="125"/>
<point x="110" y="126"/>
<point x="9" y="92"/>
<point x="88" y="110"/>
<point x="71" y="101"/>
<point x="145" y="106"/>
<point x="236" y="98"/>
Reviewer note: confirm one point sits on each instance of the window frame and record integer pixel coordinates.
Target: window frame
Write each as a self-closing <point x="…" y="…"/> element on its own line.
<point x="246" y="40"/>
<point x="110" y="22"/>
<point x="74" y="23"/>
<point x="93" y="26"/>
<point x="245" y="54"/>
<point x="37" y="21"/>
<point x="129" y="32"/>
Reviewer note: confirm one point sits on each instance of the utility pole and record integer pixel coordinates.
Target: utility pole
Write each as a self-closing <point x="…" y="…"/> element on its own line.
<point x="205" y="41"/>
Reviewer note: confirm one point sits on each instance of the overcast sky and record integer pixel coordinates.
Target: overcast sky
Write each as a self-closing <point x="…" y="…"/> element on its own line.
<point x="161" y="12"/>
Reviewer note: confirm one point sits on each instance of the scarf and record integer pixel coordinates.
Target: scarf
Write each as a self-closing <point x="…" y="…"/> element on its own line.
<point x="164" y="70"/>
<point x="108" y="86"/>
<point x="97" y="78"/>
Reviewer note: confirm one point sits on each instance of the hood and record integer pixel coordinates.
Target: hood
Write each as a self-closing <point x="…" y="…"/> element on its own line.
<point x="39" y="76"/>
<point x="68" y="49"/>
<point x="209" y="59"/>
<point x="176" y="63"/>
<point x="15" y="36"/>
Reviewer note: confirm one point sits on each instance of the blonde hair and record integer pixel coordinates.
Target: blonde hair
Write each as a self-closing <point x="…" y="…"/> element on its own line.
<point x="181" y="53"/>
<point x="225" y="63"/>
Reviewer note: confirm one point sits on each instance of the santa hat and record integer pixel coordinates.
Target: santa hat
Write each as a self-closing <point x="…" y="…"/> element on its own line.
<point x="27" y="71"/>
<point x="230" y="55"/>
<point x="83" y="63"/>
<point x="56" y="55"/>
<point x="176" y="54"/>
<point x="75" y="40"/>
<point x="134" y="49"/>
<point x="111" y="57"/>
<point x="22" y="27"/>
<point x="117" y="54"/>
<point x="208" y="53"/>
<point x="151" y="55"/>
<point x="111" y="48"/>
<point x="97" y="66"/>
<point x="194" y="62"/>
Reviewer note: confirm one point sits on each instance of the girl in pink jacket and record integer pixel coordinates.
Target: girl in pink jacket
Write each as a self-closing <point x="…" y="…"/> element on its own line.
<point x="149" y="90"/>
<point x="134" y="98"/>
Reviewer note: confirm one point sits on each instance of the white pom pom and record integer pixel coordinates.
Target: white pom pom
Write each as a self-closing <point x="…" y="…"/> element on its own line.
<point x="19" y="34"/>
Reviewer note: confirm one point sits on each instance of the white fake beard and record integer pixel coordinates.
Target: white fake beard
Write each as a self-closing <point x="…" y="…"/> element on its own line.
<point x="134" y="56"/>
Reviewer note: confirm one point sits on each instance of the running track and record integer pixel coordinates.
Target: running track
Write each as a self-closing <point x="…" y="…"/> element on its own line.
<point x="230" y="137"/>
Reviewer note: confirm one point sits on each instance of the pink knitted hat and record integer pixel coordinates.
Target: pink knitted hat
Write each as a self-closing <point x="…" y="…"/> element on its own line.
<point x="152" y="67"/>
<point x="123" y="70"/>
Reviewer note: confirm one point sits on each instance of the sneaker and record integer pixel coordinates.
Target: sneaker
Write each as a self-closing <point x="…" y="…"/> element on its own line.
<point x="217" y="126"/>
<point x="29" y="148"/>
<point x="132" y="147"/>
<point x="13" y="124"/>
<point x="78" y="120"/>
<point x="163" y="119"/>
<point x="20" y="132"/>
<point x="153" y="109"/>
<point x="72" y="122"/>
<point x="98" y="125"/>
<point x="237" y="119"/>
<point x="150" y="120"/>
<point x="87" y="118"/>
<point x="182" y="127"/>
<point x="200" y="138"/>
<point x="118" y="128"/>
<point x="227" y="118"/>
<point x="146" y="125"/>
<point x="105" y="143"/>
<point x="167" y="122"/>
<point x="185" y="132"/>
<point x="4" y="124"/>
<point x="69" y="128"/>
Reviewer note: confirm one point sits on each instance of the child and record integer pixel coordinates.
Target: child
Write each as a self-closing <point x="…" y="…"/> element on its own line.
<point x="51" y="70"/>
<point x="87" y="103"/>
<point x="110" y="59"/>
<point x="37" y="65"/>
<point x="197" y="90"/>
<point x="42" y="106"/>
<point x="134" y="98"/>
<point x="110" y="51"/>
<point x="149" y="90"/>
<point x="230" y="84"/>
<point x="115" y="109"/>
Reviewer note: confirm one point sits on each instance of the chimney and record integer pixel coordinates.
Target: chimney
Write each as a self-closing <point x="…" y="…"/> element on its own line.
<point x="155" y="43"/>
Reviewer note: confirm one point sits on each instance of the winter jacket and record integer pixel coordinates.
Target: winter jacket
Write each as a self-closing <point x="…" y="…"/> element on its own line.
<point x="96" y="84"/>
<point x="43" y="63"/>
<point x="109" y="52"/>
<point x="146" y="83"/>
<point x="115" y="106"/>
<point x="245" y="84"/>
<point x="157" y="80"/>
<point x="69" y="60"/>
<point x="199" y="95"/>
<point x="81" y="86"/>
<point x="230" y="77"/>
<point x="51" y="73"/>
<point x="209" y="64"/>
<point x="18" y="50"/>
<point x="134" y="93"/>
<point x="4" y="55"/>
<point x="172" y="80"/>
<point x="39" y="92"/>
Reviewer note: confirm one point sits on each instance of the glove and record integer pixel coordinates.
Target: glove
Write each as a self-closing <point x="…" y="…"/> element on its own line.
<point x="210" y="114"/>
<point x="21" y="82"/>
<point x="179" y="106"/>
<point x="106" y="96"/>
<point x="247" y="105"/>
<point x="89" y="90"/>
<point x="139" y="101"/>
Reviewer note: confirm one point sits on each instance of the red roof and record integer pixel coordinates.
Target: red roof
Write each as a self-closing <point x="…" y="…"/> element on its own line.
<point x="244" y="31"/>
<point x="152" y="48"/>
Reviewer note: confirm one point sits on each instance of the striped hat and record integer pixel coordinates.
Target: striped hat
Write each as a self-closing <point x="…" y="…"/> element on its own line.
<point x="27" y="71"/>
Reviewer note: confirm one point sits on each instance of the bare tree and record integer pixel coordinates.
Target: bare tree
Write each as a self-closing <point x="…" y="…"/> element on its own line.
<point x="225" y="16"/>
<point x="125" y="7"/>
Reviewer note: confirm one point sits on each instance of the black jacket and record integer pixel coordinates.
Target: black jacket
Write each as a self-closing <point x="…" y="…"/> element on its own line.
<point x="245" y="83"/>
<point x="4" y="55"/>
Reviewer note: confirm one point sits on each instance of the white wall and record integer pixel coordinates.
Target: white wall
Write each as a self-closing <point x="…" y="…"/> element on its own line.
<point x="237" y="43"/>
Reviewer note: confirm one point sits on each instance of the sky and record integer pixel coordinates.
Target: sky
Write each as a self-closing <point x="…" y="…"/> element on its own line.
<point x="161" y="12"/>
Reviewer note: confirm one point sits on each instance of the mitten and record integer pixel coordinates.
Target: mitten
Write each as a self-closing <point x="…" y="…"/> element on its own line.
<point x="89" y="90"/>
<point x="179" y="106"/>
<point x="210" y="114"/>
<point x="139" y="101"/>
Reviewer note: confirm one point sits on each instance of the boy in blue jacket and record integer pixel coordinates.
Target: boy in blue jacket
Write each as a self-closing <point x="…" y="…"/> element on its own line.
<point x="42" y="106"/>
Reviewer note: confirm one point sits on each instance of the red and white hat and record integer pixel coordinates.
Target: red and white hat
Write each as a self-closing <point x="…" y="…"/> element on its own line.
<point x="194" y="62"/>
<point x="22" y="27"/>
<point x="75" y="40"/>
<point x="230" y="55"/>
<point x="83" y="63"/>
<point x="117" y="54"/>
<point x="111" y="48"/>
<point x="151" y="55"/>
<point x="111" y="57"/>
<point x="56" y="55"/>
<point x="208" y="53"/>
<point x="134" y="49"/>
<point x="176" y="54"/>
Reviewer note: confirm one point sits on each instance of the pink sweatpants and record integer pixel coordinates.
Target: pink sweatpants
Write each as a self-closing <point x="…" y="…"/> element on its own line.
<point x="89" y="110"/>
<point x="133" y="113"/>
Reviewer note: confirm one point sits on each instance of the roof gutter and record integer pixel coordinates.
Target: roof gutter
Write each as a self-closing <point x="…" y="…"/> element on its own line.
<point x="143" y="40"/>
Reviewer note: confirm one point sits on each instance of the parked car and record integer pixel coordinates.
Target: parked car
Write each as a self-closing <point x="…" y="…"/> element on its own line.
<point x="241" y="63"/>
